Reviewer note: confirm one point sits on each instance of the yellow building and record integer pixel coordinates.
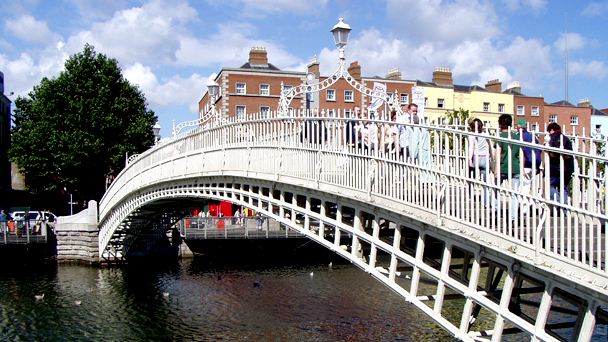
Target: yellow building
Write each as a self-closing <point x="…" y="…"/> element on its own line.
<point x="443" y="95"/>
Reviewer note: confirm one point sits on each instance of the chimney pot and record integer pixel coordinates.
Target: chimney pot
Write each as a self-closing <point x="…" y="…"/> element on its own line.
<point x="443" y="76"/>
<point x="258" y="56"/>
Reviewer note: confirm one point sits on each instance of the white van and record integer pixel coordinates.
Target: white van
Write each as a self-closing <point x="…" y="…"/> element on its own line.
<point x="33" y="214"/>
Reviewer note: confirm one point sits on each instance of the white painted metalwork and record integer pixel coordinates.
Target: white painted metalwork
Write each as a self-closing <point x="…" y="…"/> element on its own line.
<point x="399" y="214"/>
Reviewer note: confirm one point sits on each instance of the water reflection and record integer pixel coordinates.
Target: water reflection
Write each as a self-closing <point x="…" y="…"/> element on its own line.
<point x="203" y="299"/>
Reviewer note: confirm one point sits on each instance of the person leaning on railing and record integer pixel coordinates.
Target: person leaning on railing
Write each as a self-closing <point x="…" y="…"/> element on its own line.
<point x="558" y="140"/>
<point x="50" y="220"/>
<point x="507" y="159"/>
<point x="480" y="157"/>
<point x="3" y="221"/>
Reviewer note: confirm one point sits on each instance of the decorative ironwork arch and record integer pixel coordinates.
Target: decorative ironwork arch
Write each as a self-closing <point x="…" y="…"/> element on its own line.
<point x="341" y="72"/>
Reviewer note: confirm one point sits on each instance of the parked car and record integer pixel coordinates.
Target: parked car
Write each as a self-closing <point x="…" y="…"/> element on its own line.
<point x="33" y="214"/>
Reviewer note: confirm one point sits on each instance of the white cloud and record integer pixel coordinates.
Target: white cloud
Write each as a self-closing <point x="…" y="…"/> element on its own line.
<point x="593" y="69"/>
<point x="230" y="47"/>
<point x="253" y="7"/>
<point x="443" y="23"/>
<point x="493" y="72"/>
<point x="575" y="42"/>
<point x="96" y="9"/>
<point x="30" y="30"/>
<point x="147" y="34"/>
<point x="536" y="6"/>
<point x="595" y="9"/>
<point x="176" y="90"/>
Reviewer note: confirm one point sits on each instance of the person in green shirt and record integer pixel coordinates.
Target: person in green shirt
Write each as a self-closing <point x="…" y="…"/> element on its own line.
<point x="508" y="159"/>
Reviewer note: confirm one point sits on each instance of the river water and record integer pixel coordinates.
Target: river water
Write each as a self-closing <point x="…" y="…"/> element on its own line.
<point x="205" y="299"/>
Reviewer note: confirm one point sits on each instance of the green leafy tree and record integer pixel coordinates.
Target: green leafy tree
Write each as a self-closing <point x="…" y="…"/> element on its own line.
<point x="73" y="131"/>
<point x="459" y="119"/>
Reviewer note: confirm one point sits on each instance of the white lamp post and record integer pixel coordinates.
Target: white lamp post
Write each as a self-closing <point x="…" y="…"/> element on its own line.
<point x="213" y="89"/>
<point x="156" y="132"/>
<point x="341" y="33"/>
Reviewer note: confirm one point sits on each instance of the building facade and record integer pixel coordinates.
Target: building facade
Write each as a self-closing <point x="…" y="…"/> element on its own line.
<point x="256" y="87"/>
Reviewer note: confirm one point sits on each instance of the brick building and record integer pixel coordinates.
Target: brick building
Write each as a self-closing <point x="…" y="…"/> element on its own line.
<point x="255" y="87"/>
<point x="531" y="108"/>
<point x="573" y="119"/>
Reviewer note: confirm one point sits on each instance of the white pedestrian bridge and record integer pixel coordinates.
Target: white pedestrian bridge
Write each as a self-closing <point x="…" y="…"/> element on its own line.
<point x="422" y="226"/>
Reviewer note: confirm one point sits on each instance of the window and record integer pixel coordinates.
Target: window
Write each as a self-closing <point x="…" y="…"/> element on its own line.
<point x="535" y="111"/>
<point x="241" y="111"/>
<point x="287" y="89"/>
<point x="440" y="103"/>
<point x="348" y="96"/>
<point x="241" y="88"/>
<point x="264" y="89"/>
<point x="534" y="127"/>
<point x="264" y="111"/>
<point x="574" y="120"/>
<point x="405" y="99"/>
<point x="521" y="110"/>
<point x="330" y="95"/>
<point x="553" y="118"/>
<point x="426" y="102"/>
<point x="501" y="107"/>
<point x="486" y="106"/>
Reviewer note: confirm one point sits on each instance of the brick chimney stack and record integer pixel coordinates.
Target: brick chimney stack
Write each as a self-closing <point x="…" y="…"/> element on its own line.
<point x="515" y="86"/>
<point x="443" y="76"/>
<point x="494" y="86"/>
<point x="584" y="103"/>
<point x="313" y="67"/>
<point x="394" y="74"/>
<point x="258" y="56"/>
<point x="355" y="70"/>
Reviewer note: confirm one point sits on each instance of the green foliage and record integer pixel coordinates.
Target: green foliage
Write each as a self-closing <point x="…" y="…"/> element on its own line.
<point x="460" y="118"/>
<point x="455" y="119"/>
<point x="74" y="130"/>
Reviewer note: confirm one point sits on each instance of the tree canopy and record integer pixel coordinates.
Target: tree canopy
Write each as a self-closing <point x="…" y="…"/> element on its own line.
<point x="73" y="131"/>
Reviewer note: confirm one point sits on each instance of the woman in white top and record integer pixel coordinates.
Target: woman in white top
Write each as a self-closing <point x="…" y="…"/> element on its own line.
<point x="386" y="135"/>
<point x="480" y="154"/>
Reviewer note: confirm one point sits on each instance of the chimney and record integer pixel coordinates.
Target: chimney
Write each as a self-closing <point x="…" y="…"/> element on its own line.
<point x="313" y="67"/>
<point x="443" y="76"/>
<point x="258" y="56"/>
<point x="355" y="70"/>
<point x="394" y="74"/>
<point x="584" y="103"/>
<point x="515" y="86"/>
<point x="494" y="86"/>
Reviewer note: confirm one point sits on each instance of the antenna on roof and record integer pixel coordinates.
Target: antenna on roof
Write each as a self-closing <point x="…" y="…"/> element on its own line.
<point x="566" y="42"/>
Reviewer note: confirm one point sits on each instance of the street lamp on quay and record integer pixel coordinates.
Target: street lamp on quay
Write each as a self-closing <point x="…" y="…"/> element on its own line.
<point x="341" y="32"/>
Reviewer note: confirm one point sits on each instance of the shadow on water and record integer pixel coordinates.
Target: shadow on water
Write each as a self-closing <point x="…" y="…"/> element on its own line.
<point x="234" y="293"/>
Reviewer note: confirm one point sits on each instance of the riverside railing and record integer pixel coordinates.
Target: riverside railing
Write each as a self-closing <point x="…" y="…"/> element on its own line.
<point x="434" y="178"/>
<point x="23" y="232"/>
<point x="232" y="227"/>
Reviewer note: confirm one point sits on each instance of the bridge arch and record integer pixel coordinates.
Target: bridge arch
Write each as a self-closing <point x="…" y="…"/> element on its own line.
<point x="393" y="235"/>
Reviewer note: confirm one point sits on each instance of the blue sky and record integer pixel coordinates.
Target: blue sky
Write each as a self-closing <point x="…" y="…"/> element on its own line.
<point x="171" y="48"/>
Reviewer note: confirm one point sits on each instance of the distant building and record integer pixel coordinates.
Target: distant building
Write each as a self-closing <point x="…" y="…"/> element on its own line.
<point x="5" y="137"/>
<point x="255" y="87"/>
<point x="574" y="120"/>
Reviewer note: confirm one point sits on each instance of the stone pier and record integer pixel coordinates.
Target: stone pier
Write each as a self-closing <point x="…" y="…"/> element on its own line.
<point x="78" y="236"/>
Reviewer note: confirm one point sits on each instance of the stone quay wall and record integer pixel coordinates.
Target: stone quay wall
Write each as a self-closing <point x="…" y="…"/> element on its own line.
<point x="78" y="236"/>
